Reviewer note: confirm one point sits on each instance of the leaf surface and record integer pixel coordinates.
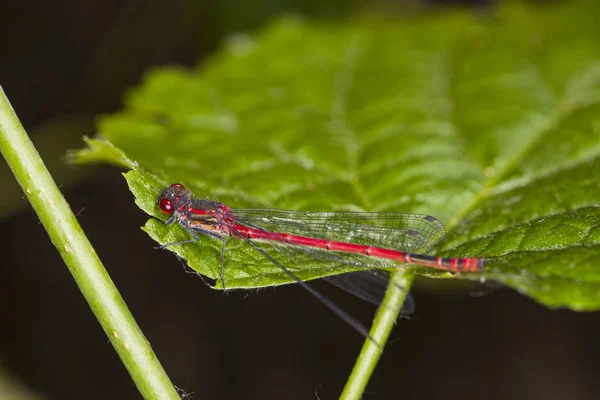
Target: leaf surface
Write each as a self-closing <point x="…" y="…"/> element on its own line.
<point x="492" y="126"/>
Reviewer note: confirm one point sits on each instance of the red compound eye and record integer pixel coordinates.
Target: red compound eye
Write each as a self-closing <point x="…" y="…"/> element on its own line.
<point x="166" y="206"/>
<point x="178" y="189"/>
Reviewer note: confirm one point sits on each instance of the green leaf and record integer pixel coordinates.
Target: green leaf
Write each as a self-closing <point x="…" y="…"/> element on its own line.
<point x="490" y="125"/>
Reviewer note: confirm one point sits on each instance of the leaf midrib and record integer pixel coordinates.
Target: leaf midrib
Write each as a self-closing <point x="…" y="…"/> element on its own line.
<point x="554" y="119"/>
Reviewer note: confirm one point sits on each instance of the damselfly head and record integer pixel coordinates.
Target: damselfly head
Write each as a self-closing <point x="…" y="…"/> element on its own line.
<point x="169" y="199"/>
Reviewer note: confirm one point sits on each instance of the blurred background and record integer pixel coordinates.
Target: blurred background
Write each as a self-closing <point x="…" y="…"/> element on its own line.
<point x="65" y="62"/>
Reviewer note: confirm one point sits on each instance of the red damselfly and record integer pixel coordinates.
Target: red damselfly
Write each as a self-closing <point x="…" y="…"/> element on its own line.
<point x="367" y="241"/>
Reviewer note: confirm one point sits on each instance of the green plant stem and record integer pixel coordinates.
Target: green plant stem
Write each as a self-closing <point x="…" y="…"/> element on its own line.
<point x="385" y="320"/>
<point x="81" y="259"/>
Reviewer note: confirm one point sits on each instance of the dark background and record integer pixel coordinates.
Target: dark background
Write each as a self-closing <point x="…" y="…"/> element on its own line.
<point x="62" y="63"/>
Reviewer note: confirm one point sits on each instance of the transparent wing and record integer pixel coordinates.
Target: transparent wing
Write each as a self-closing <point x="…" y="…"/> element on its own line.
<point x="415" y="233"/>
<point x="369" y="286"/>
<point x="362" y="276"/>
